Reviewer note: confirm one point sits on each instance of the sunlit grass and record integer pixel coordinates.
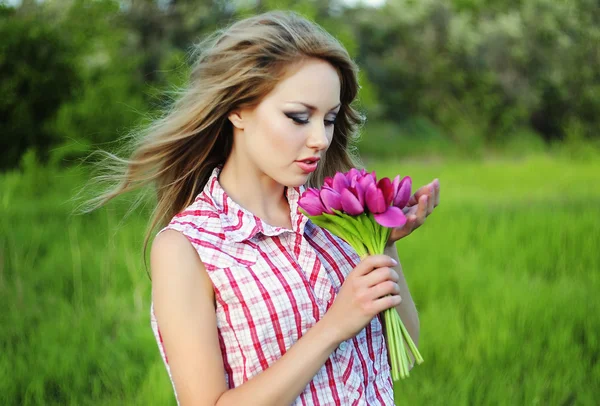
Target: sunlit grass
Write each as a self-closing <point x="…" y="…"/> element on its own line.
<point x="504" y="275"/>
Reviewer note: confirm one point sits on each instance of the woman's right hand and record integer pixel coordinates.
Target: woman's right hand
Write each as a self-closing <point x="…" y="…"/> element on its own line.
<point x="363" y="295"/>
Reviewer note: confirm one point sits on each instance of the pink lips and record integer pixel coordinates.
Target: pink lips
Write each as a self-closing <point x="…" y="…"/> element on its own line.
<point x="309" y="165"/>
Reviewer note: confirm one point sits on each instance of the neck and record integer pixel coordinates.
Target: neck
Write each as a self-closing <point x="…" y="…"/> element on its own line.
<point x="255" y="192"/>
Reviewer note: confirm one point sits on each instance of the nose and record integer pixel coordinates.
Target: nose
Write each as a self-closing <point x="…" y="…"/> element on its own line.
<point x="318" y="138"/>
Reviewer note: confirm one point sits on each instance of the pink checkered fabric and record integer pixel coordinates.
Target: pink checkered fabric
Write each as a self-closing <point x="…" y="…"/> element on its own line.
<point x="273" y="284"/>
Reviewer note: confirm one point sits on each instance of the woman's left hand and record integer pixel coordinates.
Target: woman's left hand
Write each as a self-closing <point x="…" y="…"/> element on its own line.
<point x="420" y="205"/>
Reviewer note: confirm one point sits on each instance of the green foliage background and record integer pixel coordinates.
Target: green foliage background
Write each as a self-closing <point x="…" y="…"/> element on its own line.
<point x="498" y="100"/>
<point x="442" y="77"/>
<point x="504" y="274"/>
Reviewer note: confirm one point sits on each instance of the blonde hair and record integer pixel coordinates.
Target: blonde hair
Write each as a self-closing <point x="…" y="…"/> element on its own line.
<point x="233" y="67"/>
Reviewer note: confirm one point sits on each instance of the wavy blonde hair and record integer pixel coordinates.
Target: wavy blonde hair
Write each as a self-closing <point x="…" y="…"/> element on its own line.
<point x="233" y="67"/>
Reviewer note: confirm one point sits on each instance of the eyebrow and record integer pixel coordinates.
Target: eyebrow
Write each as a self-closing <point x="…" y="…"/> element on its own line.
<point x="313" y="107"/>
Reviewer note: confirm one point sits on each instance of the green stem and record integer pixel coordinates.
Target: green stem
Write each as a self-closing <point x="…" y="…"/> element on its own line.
<point x="396" y="356"/>
<point x="396" y="338"/>
<point x="388" y="326"/>
<point x="369" y="224"/>
<point x="344" y="221"/>
<point x="386" y="236"/>
<point x="411" y="344"/>
<point x="402" y="348"/>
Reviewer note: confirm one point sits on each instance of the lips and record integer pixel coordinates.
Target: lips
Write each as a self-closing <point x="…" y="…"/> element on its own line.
<point x="308" y="165"/>
<point x="310" y="160"/>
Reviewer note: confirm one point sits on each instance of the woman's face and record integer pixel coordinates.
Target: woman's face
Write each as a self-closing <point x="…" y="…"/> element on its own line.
<point x="293" y="122"/>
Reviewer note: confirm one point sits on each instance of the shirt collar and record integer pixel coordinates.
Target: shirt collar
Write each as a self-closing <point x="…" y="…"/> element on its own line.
<point x="239" y="224"/>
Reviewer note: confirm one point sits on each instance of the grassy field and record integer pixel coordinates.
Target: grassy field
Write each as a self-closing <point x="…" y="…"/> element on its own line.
<point x="503" y="274"/>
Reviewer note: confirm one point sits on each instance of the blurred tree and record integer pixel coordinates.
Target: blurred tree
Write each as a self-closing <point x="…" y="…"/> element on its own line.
<point x="38" y="75"/>
<point x="78" y="73"/>
<point x="499" y="66"/>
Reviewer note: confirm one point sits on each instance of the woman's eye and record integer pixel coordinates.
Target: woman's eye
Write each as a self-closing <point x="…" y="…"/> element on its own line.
<point x="296" y="119"/>
<point x="300" y="121"/>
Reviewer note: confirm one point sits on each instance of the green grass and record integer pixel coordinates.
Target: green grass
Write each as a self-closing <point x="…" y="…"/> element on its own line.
<point x="504" y="274"/>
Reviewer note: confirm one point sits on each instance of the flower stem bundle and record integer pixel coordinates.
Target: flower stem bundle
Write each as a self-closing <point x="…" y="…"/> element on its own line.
<point x="361" y="210"/>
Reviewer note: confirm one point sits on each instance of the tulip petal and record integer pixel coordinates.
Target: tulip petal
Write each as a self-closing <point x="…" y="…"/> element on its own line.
<point x="392" y="217"/>
<point x="311" y="202"/>
<point x="331" y="199"/>
<point x="385" y="184"/>
<point x="350" y="203"/>
<point x="366" y="180"/>
<point x="340" y="182"/>
<point x="396" y="184"/>
<point x="374" y="199"/>
<point x="358" y="191"/>
<point x="352" y="174"/>
<point x="328" y="181"/>
<point x="403" y="194"/>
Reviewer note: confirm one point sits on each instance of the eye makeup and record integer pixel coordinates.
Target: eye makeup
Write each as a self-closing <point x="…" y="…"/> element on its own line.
<point x="299" y="118"/>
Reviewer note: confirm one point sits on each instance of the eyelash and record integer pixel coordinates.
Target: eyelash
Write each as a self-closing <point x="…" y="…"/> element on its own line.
<point x="301" y="122"/>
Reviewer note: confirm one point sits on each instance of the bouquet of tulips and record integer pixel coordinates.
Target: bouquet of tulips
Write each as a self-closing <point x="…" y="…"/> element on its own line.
<point x="358" y="208"/>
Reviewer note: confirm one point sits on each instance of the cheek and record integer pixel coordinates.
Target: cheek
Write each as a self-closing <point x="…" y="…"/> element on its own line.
<point x="283" y="136"/>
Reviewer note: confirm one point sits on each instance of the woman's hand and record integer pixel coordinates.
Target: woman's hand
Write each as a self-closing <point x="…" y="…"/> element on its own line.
<point x="363" y="295"/>
<point x="420" y="205"/>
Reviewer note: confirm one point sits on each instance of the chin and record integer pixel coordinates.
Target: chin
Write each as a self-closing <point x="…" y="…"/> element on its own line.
<point x="295" y="181"/>
<point x="289" y="178"/>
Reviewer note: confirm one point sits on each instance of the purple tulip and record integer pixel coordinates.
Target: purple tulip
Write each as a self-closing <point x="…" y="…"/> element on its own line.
<point x="311" y="202"/>
<point x="378" y="198"/>
<point x="385" y="185"/>
<point x="365" y="180"/>
<point x="331" y="199"/>
<point x="402" y="191"/>
<point x="374" y="199"/>
<point x="392" y="217"/>
<point x="340" y="182"/>
<point x="353" y="200"/>
<point x="353" y="174"/>
<point x="357" y="191"/>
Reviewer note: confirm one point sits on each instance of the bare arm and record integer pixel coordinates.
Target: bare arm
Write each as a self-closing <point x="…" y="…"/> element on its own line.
<point x="184" y="306"/>
<point x="406" y="309"/>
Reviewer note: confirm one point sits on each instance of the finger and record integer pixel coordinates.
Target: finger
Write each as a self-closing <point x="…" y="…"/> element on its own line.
<point x="414" y="199"/>
<point x="422" y="211"/>
<point x="413" y="222"/>
<point x="386" y="302"/>
<point x="437" y="192"/>
<point x="408" y="210"/>
<point x="430" y="200"/>
<point x="411" y="218"/>
<point x="380" y="275"/>
<point x="382" y="289"/>
<point x="374" y="261"/>
<point x="420" y="214"/>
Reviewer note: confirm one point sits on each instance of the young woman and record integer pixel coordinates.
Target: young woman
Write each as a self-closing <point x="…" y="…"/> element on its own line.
<point x="253" y="304"/>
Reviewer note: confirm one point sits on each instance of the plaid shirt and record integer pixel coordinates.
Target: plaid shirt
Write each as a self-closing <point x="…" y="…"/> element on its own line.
<point x="271" y="285"/>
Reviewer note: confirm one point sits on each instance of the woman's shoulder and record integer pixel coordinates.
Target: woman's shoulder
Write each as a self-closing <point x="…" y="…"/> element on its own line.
<point x="198" y="218"/>
<point x="202" y="225"/>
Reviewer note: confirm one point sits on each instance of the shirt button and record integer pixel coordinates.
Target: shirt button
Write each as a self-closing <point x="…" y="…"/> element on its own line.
<point x="343" y="346"/>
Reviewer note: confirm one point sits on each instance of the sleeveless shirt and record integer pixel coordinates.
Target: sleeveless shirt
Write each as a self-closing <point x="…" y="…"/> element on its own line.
<point x="271" y="285"/>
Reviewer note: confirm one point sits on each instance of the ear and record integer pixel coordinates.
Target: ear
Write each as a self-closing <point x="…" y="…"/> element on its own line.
<point x="235" y="116"/>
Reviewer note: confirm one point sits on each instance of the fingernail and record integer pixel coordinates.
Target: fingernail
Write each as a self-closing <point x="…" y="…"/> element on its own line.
<point x="394" y="261"/>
